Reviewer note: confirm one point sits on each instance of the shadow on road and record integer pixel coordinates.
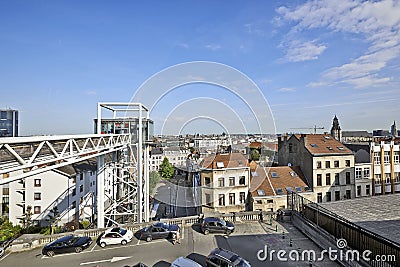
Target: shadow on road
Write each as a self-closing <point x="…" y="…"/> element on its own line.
<point x="197" y="227"/>
<point x="201" y="259"/>
<point x="162" y="264"/>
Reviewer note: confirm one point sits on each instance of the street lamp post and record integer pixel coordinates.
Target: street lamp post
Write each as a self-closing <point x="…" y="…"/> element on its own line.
<point x="170" y="200"/>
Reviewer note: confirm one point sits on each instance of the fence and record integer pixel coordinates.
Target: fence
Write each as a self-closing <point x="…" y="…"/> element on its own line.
<point x="357" y="237"/>
<point x="182" y="221"/>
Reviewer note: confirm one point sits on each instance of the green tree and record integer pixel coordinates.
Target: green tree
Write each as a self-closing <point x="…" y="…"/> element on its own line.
<point x="154" y="179"/>
<point x="52" y="218"/>
<point x="26" y="220"/>
<point x="7" y="230"/>
<point x="255" y="155"/>
<point x="166" y="169"/>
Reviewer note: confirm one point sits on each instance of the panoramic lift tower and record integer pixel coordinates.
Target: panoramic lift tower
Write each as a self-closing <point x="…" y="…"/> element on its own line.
<point x="122" y="176"/>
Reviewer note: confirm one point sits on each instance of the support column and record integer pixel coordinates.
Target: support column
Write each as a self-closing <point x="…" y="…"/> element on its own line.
<point x="140" y="167"/>
<point x="98" y="118"/>
<point x="100" y="191"/>
<point x="146" y="184"/>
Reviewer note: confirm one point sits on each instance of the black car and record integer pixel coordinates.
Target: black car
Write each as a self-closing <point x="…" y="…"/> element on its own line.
<point x="157" y="231"/>
<point x="222" y="257"/>
<point x="68" y="243"/>
<point x="216" y="225"/>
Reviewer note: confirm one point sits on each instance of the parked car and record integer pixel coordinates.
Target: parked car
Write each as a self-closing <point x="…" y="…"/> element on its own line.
<point x="184" y="262"/>
<point x="114" y="236"/>
<point x="68" y="243"/>
<point x="157" y="231"/>
<point x="2" y="250"/>
<point x="222" y="257"/>
<point x="216" y="225"/>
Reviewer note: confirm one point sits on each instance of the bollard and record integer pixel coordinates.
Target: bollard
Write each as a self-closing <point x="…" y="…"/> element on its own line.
<point x="283" y="235"/>
<point x="270" y="220"/>
<point x="290" y="243"/>
<point x="310" y="263"/>
<point x="276" y="228"/>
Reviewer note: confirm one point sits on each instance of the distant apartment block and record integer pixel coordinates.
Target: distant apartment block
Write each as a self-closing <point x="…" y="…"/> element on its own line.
<point x="225" y="182"/>
<point x="8" y="123"/>
<point x="385" y="157"/>
<point x="327" y="165"/>
<point x="176" y="156"/>
<point x="269" y="186"/>
<point x="212" y="142"/>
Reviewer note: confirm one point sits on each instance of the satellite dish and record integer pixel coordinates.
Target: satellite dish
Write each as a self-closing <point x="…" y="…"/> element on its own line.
<point x="289" y="164"/>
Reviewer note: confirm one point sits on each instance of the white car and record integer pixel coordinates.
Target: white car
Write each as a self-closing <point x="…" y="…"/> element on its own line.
<point x="184" y="262"/>
<point x="114" y="236"/>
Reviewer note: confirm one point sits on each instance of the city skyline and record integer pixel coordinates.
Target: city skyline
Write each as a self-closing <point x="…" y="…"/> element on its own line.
<point x="311" y="60"/>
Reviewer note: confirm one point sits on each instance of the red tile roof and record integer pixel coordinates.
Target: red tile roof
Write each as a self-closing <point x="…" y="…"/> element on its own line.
<point x="281" y="177"/>
<point x="226" y="160"/>
<point x="318" y="144"/>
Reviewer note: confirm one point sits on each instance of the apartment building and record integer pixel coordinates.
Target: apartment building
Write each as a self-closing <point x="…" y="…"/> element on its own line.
<point x="176" y="156"/>
<point x="327" y="164"/>
<point x="385" y="158"/>
<point x="71" y="189"/>
<point x="269" y="186"/>
<point x="225" y="183"/>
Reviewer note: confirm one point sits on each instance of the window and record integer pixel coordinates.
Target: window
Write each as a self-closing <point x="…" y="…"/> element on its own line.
<point x="337" y="195"/>
<point x="368" y="189"/>
<point x="37" y="196"/>
<point x="73" y="204"/>
<point x="347" y="163"/>
<point x="318" y="164"/>
<point x="279" y="191"/>
<point x="319" y="179"/>
<point x="270" y="201"/>
<point x="336" y="164"/>
<point x="261" y="192"/>
<point x="397" y="177"/>
<point x="81" y="176"/>
<point x="358" y="190"/>
<point x="327" y="164"/>
<point x="396" y="157"/>
<point x="377" y="179"/>
<point x="290" y="148"/>
<point x="328" y="197"/>
<point x="208" y="199"/>
<point x="220" y="164"/>
<point x="358" y="173"/>
<point x="388" y="178"/>
<point x="328" y="179"/>
<point x="242" y="180"/>
<point x="36" y="209"/>
<point x="386" y="157"/>
<point x="73" y="191"/>
<point x="337" y="179"/>
<point x="348" y="181"/>
<point x="207" y="181"/>
<point x="242" y="197"/>
<point x="231" y="181"/>
<point x="366" y="173"/>
<point x="38" y="182"/>
<point x="319" y="197"/>
<point x="221" y="200"/>
<point x="298" y="189"/>
<point x="377" y="158"/>
<point x="231" y="198"/>
<point x="221" y="182"/>
<point x="348" y="194"/>
<point x="81" y="188"/>
<point x="274" y="175"/>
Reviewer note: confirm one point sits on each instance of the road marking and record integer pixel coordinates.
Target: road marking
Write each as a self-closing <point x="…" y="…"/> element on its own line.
<point x="138" y="242"/>
<point x="5" y="256"/>
<point x="114" y="259"/>
<point x="95" y="244"/>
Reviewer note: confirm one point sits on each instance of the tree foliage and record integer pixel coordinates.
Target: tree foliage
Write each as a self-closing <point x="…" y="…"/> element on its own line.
<point x="166" y="169"/>
<point x="7" y="230"/>
<point x="154" y="179"/>
<point x="255" y="155"/>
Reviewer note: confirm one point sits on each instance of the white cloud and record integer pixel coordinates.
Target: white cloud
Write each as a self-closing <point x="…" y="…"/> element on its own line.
<point x="213" y="47"/>
<point x="302" y="51"/>
<point x="378" y="23"/>
<point x="183" y="45"/>
<point x="90" y="92"/>
<point x="286" y="89"/>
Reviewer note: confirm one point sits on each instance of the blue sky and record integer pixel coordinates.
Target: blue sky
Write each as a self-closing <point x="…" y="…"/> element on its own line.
<point x="310" y="59"/>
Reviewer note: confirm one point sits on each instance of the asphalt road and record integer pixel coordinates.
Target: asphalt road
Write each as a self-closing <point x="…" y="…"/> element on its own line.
<point x="246" y="241"/>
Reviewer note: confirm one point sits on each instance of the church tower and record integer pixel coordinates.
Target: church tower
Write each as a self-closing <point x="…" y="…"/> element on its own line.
<point x="336" y="132"/>
<point x="393" y="129"/>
